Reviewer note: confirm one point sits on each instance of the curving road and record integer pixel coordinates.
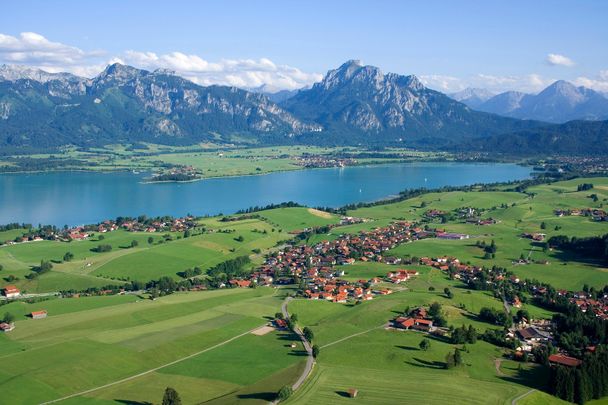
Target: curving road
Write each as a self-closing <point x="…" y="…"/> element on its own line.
<point x="310" y="361"/>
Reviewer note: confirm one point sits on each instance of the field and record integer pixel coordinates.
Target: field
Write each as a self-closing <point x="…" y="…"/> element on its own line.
<point x="125" y="336"/>
<point x="516" y="213"/>
<point x="200" y="342"/>
<point x="212" y="160"/>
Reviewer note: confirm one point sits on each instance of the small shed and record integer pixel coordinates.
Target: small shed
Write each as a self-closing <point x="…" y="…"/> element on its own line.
<point x="352" y="392"/>
<point x="39" y="314"/>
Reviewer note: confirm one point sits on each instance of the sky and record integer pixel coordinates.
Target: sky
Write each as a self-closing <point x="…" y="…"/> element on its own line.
<point x="450" y="45"/>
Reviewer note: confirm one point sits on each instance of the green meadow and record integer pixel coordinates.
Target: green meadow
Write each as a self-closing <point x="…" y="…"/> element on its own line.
<point x="92" y="341"/>
<point x="89" y="342"/>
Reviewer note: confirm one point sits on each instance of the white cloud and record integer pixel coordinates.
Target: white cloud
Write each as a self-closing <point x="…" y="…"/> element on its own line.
<point x="35" y="50"/>
<point x="526" y="83"/>
<point x="248" y="73"/>
<point x="555" y="59"/>
<point x="598" y="83"/>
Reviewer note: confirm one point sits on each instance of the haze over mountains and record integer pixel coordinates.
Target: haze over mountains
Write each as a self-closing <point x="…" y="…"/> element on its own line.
<point x="353" y="104"/>
<point x="558" y="103"/>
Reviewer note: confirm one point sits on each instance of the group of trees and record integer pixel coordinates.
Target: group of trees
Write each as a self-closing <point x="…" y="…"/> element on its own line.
<point x="436" y="314"/>
<point x="229" y="269"/>
<point x="44" y="267"/>
<point x="494" y="316"/>
<point x="584" y="383"/>
<point x="102" y="248"/>
<point x="8" y="317"/>
<point x="464" y="335"/>
<point x="489" y="250"/>
<point x="594" y="247"/>
<point x="189" y="273"/>
<point x="453" y="359"/>
<point x="584" y="187"/>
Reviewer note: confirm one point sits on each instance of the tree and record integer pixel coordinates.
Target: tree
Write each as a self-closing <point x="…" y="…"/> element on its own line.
<point x="278" y="315"/>
<point x="171" y="397"/>
<point x="68" y="256"/>
<point x="308" y="334"/>
<point x="294" y="318"/>
<point x="134" y="243"/>
<point x="457" y="357"/>
<point x="284" y="393"/>
<point x="449" y="361"/>
<point x="425" y="344"/>
<point x="101" y="237"/>
<point x="448" y="293"/>
<point x="1" y="267"/>
<point x="543" y="225"/>
<point x="315" y="351"/>
<point x="150" y="240"/>
<point x="8" y="317"/>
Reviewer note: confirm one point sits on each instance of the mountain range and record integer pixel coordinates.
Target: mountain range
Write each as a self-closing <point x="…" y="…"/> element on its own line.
<point x="353" y="104"/>
<point x="558" y="103"/>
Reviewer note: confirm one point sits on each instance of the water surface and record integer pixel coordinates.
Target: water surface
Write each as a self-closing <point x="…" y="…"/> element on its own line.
<point x="75" y="198"/>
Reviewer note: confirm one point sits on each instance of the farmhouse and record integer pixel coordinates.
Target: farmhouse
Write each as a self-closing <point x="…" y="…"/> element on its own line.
<point x="38" y="314"/>
<point x="10" y="291"/>
<point x="6" y="327"/>
<point x="563" y="360"/>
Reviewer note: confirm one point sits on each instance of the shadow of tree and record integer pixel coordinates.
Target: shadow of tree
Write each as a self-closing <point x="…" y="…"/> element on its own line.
<point x="262" y="396"/>
<point x="407" y="348"/>
<point x="536" y="376"/>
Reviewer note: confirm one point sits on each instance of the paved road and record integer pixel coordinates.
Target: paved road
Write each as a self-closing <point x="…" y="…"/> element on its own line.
<point x="151" y="370"/>
<point x="310" y="361"/>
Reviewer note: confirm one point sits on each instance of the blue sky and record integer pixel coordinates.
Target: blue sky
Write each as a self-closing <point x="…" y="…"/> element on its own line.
<point x="285" y="44"/>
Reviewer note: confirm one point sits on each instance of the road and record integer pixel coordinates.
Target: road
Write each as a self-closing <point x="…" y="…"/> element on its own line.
<point x="310" y="361"/>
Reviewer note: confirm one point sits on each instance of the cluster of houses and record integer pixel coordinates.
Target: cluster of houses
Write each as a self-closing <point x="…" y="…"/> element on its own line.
<point x="530" y="334"/>
<point x="315" y="161"/>
<point x="315" y="265"/>
<point x="481" y="222"/>
<point x="416" y="319"/>
<point x="586" y="303"/>
<point x="170" y="225"/>
<point x="535" y="236"/>
<point x="133" y="225"/>
<point x="595" y="213"/>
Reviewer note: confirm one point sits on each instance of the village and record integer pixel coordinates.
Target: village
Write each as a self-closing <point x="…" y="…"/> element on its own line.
<point x="595" y="214"/>
<point x="83" y="232"/>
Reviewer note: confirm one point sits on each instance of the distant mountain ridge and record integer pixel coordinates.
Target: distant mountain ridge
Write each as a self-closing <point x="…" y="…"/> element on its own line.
<point x="125" y="104"/>
<point x="361" y="104"/>
<point x="354" y="104"/>
<point x="558" y="103"/>
<point x="473" y="97"/>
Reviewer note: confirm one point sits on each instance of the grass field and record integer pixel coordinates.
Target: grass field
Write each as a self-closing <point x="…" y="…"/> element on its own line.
<point x="517" y="213"/>
<point x="123" y="336"/>
<point x="91" y="341"/>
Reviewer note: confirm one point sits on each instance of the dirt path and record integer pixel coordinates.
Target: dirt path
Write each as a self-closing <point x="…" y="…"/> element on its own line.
<point x="525" y="394"/>
<point x="497" y="364"/>
<point x="352" y="336"/>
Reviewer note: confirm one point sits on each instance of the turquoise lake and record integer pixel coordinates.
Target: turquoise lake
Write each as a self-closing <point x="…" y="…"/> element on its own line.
<point x="75" y="198"/>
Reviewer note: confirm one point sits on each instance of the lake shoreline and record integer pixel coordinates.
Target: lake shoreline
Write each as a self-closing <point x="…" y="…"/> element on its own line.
<point x="77" y="197"/>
